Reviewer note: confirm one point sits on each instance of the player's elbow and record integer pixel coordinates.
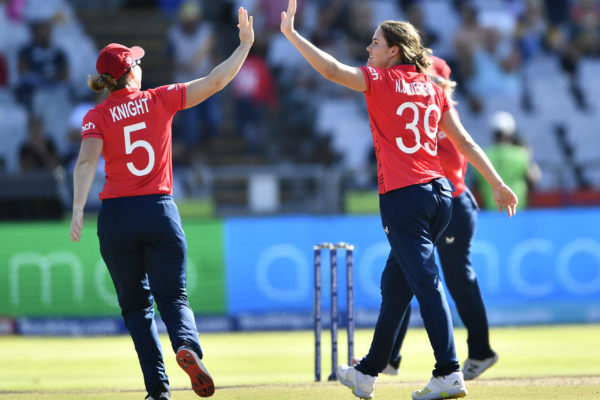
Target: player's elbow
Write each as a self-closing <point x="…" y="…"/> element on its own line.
<point x="216" y="81"/>
<point x="85" y="164"/>
<point x="331" y="71"/>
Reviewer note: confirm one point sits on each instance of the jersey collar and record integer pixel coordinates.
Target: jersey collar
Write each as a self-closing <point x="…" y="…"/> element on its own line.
<point x="405" y="67"/>
<point x="124" y="92"/>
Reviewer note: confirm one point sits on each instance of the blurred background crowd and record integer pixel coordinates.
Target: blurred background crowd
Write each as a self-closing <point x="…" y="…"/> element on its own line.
<point x="280" y="138"/>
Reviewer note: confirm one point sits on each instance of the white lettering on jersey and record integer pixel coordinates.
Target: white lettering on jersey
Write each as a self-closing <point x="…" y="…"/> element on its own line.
<point x="89" y="125"/>
<point x="414" y="88"/>
<point x="374" y="73"/>
<point x="172" y="86"/>
<point x="129" y="109"/>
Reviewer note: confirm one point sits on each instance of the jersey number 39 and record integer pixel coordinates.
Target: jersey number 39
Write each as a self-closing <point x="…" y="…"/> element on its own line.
<point x="130" y="146"/>
<point x="412" y="126"/>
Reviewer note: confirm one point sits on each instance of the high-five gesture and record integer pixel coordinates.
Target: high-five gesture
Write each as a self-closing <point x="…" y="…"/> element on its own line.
<point x="200" y="89"/>
<point x="322" y="62"/>
<point x="287" y="18"/>
<point x="245" y="24"/>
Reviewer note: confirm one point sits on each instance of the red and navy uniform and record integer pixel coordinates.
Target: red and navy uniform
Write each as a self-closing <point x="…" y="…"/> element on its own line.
<point x="454" y="251"/>
<point x="135" y="126"/>
<point x="139" y="228"/>
<point x="415" y="203"/>
<point x="404" y="109"/>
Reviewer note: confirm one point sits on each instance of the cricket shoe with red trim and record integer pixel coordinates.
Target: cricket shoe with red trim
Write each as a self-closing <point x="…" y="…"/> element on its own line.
<point x="202" y="382"/>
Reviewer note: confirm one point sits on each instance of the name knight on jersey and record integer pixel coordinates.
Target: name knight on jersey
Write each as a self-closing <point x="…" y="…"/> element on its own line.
<point x="129" y="109"/>
<point x="414" y="88"/>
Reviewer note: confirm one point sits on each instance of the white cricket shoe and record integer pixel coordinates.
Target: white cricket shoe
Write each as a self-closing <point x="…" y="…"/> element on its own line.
<point x="473" y="368"/>
<point x="362" y="385"/>
<point x="451" y="386"/>
<point x="390" y="370"/>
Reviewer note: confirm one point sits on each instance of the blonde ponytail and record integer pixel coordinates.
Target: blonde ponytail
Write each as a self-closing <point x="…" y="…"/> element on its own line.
<point x="105" y="81"/>
<point x="447" y="85"/>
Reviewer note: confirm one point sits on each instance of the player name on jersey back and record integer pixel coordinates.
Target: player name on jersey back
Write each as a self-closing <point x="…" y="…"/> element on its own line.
<point x="414" y="88"/>
<point x="129" y="109"/>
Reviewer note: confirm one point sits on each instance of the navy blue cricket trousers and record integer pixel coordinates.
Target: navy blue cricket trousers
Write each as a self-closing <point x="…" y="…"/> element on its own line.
<point x="454" y="251"/>
<point x="413" y="217"/>
<point x="144" y="247"/>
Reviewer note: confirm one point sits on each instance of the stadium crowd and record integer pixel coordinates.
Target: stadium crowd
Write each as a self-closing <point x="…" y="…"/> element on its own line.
<point x="538" y="60"/>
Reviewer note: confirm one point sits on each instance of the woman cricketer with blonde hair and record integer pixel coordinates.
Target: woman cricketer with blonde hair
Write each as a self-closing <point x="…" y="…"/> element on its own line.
<point x="139" y="228"/>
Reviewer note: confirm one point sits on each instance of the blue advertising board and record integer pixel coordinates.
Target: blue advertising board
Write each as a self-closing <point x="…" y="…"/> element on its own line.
<point x="537" y="267"/>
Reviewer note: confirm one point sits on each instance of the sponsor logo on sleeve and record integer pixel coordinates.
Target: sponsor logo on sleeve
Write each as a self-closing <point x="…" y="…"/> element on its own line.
<point x="88" y="126"/>
<point x="374" y="73"/>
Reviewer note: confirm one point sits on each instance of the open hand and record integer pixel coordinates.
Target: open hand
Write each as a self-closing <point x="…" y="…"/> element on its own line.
<point x="245" y="24"/>
<point x="505" y="198"/>
<point x="76" y="225"/>
<point x="287" y="18"/>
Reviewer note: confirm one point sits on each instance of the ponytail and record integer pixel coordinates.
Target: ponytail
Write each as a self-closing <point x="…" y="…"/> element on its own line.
<point x="105" y="81"/>
<point x="423" y="60"/>
<point x="447" y="85"/>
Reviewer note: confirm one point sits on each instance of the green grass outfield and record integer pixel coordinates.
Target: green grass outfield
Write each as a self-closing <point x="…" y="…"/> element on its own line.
<point x="541" y="362"/>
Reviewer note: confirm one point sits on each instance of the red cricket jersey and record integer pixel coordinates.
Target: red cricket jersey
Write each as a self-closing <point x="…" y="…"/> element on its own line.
<point x="404" y="110"/>
<point x="135" y="126"/>
<point x="453" y="162"/>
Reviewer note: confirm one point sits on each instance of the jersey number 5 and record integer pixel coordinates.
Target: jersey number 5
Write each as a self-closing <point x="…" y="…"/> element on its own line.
<point x="412" y="126"/>
<point x="130" y="146"/>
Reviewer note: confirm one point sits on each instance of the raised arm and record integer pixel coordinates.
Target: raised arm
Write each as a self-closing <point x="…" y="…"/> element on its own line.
<point x="83" y="176"/>
<point x="323" y="62"/>
<point x="200" y="89"/>
<point x="460" y="138"/>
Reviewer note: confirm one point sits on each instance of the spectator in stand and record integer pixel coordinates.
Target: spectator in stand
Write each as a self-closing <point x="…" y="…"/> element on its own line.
<point x="467" y="39"/>
<point x="529" y="33"/>
<point x="562" y="37"/>
<point x="38" y="153"/>
<point x="512" y="159"/>
<point x="358" y="29"/>
<point x="414" y="14"/>
<point x="267" y="12"/>
<point x="190" y="48"/>
<point x="255" y="97"/>
<point x="41" y="64"/>
<point x="531" y="27"/>
<point x="331" y="15"/>
<point x="584" y="26"/>
<point x="495" y="64"/>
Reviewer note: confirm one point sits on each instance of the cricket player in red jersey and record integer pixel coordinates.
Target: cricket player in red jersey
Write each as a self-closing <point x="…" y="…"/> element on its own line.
<point x="454" y="251"/>
<point x="406" y="109"/>
<point x="139" y="228"/>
